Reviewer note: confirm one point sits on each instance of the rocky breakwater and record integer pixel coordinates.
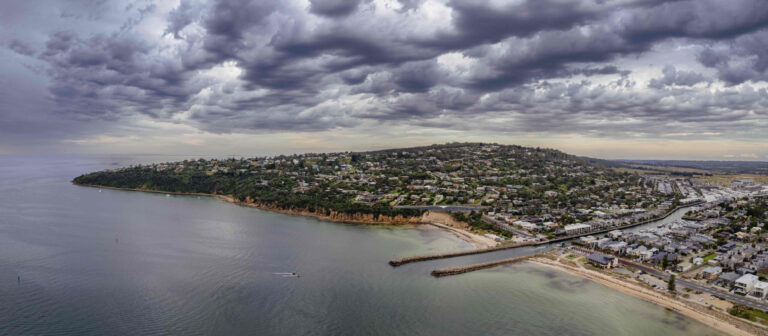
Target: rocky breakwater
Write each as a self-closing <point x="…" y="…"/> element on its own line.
<point x="407" y="260"/>
<point x="475" y="267"/>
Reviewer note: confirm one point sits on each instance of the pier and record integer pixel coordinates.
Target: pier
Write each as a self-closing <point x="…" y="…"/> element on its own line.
<point x="407" y="260"/>
<point x="470" y="268"/>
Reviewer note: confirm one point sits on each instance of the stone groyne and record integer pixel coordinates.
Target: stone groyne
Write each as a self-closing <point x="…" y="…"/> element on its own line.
<point x="470" y="268"/>
<point x="406" y="260"/>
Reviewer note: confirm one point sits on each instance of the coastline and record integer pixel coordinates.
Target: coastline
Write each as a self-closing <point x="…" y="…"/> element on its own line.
<point x="714" y="319"/>
<point x="476" y="240"/>
<point x="469" y="237"/>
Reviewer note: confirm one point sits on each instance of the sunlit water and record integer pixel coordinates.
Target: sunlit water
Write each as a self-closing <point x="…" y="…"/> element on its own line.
<point x="129" y="263"/>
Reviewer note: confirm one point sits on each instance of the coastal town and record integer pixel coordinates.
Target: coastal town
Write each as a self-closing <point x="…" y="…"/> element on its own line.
<point x="503" y="191"/>
<point x="644" y="229"/>
<point x="710" y="263"/>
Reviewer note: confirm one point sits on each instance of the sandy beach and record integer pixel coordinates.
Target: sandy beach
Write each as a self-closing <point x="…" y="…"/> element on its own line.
<point x="444" y="221"/>
<point x="715" y="319"/>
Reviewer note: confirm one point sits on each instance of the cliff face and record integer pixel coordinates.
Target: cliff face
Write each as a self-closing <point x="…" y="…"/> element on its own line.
<point x="334" y="216"/>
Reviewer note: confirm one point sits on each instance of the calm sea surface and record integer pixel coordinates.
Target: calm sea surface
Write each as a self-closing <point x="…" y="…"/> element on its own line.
<point x="130" y="263"/>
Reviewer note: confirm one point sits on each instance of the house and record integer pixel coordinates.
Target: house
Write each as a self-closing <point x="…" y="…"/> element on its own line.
<point x="727" y="247"/>
<point x="658" y="258"/>
<point x="602" y="260"/>
<point x="525" y="225"/>
<point x="727" y="280"/>
<point x="745" y="284"/>
<point x="617" y="247"/>
<point x="760" y="290"/>
<point x="683" y="267"/>
<point x="646" y="255"/>
<point x="711" y="273"/>
<point x="638" y="251"/>
<point x="604" y="242"/>
<point x="588" y="240"/>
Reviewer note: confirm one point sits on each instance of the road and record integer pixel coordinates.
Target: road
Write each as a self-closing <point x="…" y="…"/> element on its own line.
<point x="745" y="301"/>
<point x="695" y="286"/>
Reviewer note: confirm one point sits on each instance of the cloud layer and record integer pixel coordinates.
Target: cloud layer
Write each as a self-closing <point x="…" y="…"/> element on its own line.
<point x="596" y="68"/>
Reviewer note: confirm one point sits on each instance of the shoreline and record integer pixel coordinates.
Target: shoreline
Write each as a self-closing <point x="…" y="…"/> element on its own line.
<point x="476" y="240"/>
<point x="469" y="237"/>
<point x="714" y="319"/>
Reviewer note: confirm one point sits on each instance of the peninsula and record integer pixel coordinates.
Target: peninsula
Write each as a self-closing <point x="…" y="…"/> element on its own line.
<point x="499" y="191"/>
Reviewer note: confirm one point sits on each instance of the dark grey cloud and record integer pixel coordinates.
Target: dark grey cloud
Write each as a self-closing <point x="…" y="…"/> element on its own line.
<point x="267" y="65"/>
<point x="478" y="22"/>
<point x="21" y="47"/>
<point x="672" y="76"/>
<point x="701" y="18"/>
<point x="739" y="60"/>
<point x="333" y="8"/>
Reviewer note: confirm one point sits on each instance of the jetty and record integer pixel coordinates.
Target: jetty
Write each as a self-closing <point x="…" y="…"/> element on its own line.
<point x="470" y="268"/>
<point x="407" y="260"/>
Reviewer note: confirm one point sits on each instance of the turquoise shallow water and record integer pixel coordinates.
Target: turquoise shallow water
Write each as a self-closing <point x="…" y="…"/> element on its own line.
<point x="129" y="263"/>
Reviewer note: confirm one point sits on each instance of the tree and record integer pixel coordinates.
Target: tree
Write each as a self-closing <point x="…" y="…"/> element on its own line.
<point x="671" y="283"/>
<point x="664" y="262"/>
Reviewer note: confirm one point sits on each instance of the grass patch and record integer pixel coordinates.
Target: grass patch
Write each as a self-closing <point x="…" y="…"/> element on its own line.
<point x="750" y="314"/>
<point x="710" y="256"/>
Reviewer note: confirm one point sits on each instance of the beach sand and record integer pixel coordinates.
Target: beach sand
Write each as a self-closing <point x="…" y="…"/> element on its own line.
<point x="715" y="319"/>
<point x="445" y="221"/>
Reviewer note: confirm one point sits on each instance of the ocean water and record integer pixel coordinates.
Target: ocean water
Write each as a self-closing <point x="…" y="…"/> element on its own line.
<point x="80" y="261"/>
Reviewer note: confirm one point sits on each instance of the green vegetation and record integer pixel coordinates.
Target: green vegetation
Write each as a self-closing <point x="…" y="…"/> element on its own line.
<point x="528" y="181"/>
<point x="749" y="314"/>
<point x="671" y="283"/>
<point x="272" y="189"/>
<point x="709" y="257"/>
<point x="474" y="219"/>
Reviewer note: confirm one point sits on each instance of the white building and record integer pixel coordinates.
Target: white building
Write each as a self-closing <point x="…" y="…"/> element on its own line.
<point x="616" y="247"/>
<point x="760" y="290"/>
<point x="745" y="284"/>
<point x="525" y="225"/>
<point x="588" y="240"/>
<point x="572" y="229"/>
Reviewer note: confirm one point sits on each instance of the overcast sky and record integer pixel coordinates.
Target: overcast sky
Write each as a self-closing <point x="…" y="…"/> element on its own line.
<point x="670" y="79"/>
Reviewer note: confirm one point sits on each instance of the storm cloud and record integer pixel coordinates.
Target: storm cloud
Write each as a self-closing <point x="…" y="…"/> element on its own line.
<point x="616" y="68"/>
